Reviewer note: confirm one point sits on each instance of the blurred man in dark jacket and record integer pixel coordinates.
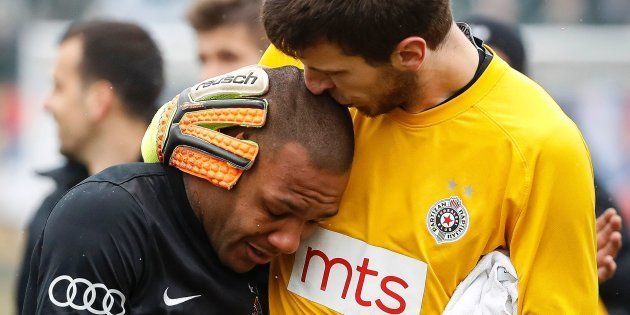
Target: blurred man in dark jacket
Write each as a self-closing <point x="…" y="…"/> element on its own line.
<point x="107" y="78"/>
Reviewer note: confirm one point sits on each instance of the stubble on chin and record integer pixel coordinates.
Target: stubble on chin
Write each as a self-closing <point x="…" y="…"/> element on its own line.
<point x="399" y="89"/>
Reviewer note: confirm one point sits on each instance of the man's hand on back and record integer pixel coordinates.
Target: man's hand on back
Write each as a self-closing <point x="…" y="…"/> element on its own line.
<point x="608" y="243"/>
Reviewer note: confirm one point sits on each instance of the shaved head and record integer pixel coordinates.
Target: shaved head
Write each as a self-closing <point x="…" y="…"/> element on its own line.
<point x="316" y="122"/>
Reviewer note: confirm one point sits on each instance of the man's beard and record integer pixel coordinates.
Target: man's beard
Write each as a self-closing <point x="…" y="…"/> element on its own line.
<point x="399" y="89"/>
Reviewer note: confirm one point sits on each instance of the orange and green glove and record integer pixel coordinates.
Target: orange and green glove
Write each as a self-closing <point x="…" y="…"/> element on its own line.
<point x="186" y="132"/>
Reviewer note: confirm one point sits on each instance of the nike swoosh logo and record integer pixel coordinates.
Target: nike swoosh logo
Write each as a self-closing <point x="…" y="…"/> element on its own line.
<point x="170" y="302"/>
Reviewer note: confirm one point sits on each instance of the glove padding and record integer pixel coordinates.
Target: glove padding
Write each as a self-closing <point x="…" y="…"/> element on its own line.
<point x="185" y="132"/>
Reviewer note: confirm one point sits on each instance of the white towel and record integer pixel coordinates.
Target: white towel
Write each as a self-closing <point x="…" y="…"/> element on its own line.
<point x="490" y="288"/>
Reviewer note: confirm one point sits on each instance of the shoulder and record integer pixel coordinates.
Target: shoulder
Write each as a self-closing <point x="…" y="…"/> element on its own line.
<point x="509" y="92"/>
<point x="93" y="208"/>
<point x="529" y="116"/>
<point x="109" y="201"/>
<point x="65" y="177"/>
<point x="120" y="174"/>
<point x="105" y="201"/>
<point x="97" y="224"/>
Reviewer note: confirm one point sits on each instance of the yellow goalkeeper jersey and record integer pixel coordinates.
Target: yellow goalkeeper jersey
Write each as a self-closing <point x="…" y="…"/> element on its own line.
<point x="499" y="166"/>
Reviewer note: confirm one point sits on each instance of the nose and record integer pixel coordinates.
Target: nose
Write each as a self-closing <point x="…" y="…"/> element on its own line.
<point x="317" y="83"/>
<point x="209" y="71"/>
<point x="286" y="239"/>
<point x="48" y="103"/>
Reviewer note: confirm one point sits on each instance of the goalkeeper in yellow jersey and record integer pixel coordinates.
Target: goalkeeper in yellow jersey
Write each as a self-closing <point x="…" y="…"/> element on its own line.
<point x="457" y="155"/>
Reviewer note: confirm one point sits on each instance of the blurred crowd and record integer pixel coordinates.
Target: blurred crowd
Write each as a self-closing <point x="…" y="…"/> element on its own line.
<point x="549" y="11"/>
<point x="590" y="82"/>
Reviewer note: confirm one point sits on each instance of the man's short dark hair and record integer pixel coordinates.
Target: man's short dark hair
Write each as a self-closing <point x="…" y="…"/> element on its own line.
<point x="125" y="55"/>
<point x="367" y="28"/>
<point x="206" y="15"/>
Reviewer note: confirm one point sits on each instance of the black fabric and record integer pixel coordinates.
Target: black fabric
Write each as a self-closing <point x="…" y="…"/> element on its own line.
<point x="65" y="178"/>
<point x="131" y="229"/>
<point x="615" y="292"/>
<point x="484" y="61"/>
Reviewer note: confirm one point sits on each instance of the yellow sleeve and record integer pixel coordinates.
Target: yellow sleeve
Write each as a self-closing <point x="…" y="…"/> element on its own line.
<point x="274" y="58"/>
<point x="553" y="242"/>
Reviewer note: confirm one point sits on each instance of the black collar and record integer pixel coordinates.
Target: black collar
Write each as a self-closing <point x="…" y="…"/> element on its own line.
<point x="484" y="60"/>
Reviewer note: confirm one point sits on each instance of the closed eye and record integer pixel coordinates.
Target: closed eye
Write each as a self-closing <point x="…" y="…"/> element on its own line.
<point x="227" y="56"/>
<point x="273" y="213"/>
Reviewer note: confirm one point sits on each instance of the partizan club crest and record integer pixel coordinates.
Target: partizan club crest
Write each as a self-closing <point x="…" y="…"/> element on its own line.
<point x="448" y="220"/>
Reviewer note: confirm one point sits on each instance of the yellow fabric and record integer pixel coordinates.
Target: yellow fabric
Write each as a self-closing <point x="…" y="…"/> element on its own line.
<point x="519" y="165"/>
<point x="273" y="58"/>
<point x="148" y="147"/>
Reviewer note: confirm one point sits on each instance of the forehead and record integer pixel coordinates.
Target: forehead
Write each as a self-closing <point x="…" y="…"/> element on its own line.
<point x="69" y="55"/>
<point x="289" y="170"/>
<point x="327" y="56"/>
<point x="285" y="165"/>
<point x="232" y="36"/>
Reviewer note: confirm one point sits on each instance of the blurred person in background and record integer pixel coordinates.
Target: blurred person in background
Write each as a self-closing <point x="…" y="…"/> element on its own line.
<point x="107" y="77"/>
<point x="507" y="11"/>
<point x="229" y="34"/>
<point x="564" y="11"/>
<point x="614" y="277"/>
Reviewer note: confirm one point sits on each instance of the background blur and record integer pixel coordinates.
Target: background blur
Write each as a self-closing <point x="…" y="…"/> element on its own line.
<point x="579" y="50"/>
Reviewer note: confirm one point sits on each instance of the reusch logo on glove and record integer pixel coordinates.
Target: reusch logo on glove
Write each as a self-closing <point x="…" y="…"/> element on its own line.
<point x="238" y="79"/>
<point x="248" y="81"/>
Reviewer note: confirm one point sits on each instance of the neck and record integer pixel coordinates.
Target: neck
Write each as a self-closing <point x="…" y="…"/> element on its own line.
<point x="445" y="71"/>
<point x="116" y="141"/>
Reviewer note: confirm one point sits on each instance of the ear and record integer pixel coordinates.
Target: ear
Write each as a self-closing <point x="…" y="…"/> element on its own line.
<point x="242" y="136"/>
<point x="100" y="99"/>
<point x="409" y="54"/>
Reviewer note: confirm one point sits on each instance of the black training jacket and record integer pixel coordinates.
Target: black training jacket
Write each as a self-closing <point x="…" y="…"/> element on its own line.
<point x="126" y="241"/>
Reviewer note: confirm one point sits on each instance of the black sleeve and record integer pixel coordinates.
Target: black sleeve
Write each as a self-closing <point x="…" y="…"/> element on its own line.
<point x="33" y="232"/>
<point x="91" y="255"/>
<point x="616" y="290"/>
<point x="603" y="200"/>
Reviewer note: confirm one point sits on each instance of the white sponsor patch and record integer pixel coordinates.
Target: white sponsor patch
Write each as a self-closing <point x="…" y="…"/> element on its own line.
<point x="248" y="81"/>
<point x="353" y="277"/>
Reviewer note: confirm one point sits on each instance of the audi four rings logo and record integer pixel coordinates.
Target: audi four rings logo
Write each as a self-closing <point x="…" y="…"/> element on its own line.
<point x="89" y="296"/>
